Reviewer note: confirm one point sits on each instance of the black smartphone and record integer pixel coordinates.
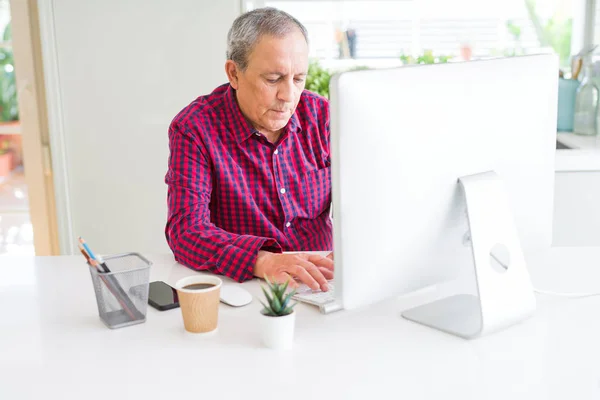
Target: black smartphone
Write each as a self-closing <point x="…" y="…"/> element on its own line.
<point x="162" y="296"/>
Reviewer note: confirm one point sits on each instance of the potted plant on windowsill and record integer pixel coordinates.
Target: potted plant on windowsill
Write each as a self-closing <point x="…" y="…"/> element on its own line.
<point x="278" y="316"/>
<point x="5" y="159"/>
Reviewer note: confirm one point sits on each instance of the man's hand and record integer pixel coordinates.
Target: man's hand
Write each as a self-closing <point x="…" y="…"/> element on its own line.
<point x="311" y="269"/>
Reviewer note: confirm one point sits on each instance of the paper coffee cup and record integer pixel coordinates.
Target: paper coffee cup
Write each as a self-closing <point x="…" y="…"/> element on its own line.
<point x="199" y="302"/>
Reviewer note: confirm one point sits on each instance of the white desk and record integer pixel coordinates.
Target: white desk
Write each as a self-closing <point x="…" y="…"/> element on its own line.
<point x="583" y="155"/>
<point x="577" y="192"/>
<point x="53" y="345"/>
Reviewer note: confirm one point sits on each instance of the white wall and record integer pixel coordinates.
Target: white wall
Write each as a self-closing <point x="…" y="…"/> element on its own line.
<point x="117" y="72"/>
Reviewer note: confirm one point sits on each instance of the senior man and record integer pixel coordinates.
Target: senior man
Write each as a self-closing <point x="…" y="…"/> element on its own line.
<point x="249" y="167"/>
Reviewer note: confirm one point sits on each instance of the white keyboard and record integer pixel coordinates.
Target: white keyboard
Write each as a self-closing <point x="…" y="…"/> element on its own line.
<point x="315" y="297"/>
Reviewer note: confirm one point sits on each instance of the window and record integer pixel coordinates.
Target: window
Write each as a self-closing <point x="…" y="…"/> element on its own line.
<point x="380" y="32"/>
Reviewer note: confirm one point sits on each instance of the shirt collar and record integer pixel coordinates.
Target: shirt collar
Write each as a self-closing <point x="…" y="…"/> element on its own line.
<point x="293" y="124"/>
<point x="242" y="128"/>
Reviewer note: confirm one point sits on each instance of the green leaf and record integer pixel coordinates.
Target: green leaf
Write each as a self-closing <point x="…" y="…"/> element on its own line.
<point x="274" y="289"/>
<point x="267" y="308"/>
<point x="286" y="300"/>
<point x="281" y="291"/>
<point x="285" y="287"/>
<point x="269" y="282"/>
<point x="276" y="305"/>
<point x="267" y="295"/>
<point x="288" y="310"/>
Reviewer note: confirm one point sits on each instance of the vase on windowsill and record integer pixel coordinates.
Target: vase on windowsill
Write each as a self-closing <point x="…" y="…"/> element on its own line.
<point x="277" y="317"/>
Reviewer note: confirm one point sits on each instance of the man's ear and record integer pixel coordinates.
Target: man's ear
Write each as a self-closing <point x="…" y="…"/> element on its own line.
<point x="232" y="71"/>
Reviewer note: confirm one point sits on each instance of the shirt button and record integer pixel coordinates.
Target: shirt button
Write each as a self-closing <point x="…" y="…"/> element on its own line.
<point x="276" y="151"/>
<point x="288" y="224"/>
<point x="282" y="191"/>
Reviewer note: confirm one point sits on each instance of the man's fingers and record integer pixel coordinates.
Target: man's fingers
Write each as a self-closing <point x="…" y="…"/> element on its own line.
<point x="302" y="274"/>
<point x="317" y="275"/>
<point x="321" y="261"/>
<point x="327" y="273"/>
<point x="283" y="277"/>
<point x="330" y="256"/>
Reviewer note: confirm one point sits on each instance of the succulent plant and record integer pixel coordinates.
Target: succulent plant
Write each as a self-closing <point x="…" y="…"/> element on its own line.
<point x="278" y="301"/>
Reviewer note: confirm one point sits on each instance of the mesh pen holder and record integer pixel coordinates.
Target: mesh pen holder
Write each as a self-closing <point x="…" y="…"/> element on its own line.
<point x="122" y="293"/>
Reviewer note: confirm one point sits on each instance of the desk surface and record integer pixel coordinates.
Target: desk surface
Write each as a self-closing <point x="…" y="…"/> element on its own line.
<point x="52" y="343"/>
<point x="583" y="155"/>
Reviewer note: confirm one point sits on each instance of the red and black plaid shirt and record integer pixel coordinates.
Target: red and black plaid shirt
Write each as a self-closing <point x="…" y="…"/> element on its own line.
<point x="233" y="193"/>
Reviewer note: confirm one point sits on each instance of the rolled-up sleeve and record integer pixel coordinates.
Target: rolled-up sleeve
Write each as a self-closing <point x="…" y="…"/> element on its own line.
<point x="194" y="240"/>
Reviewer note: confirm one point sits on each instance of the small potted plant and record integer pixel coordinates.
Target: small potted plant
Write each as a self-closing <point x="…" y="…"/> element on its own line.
<point x="5" y="159"/>
<point x="278" y="316"/>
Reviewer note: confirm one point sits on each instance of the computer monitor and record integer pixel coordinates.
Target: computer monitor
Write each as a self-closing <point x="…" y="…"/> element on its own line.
<point x="401" y="139"/>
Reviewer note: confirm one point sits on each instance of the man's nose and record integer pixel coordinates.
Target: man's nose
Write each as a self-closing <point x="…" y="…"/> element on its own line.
<point x="286" y="91"/>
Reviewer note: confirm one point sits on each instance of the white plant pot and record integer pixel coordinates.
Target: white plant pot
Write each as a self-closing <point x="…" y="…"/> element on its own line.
<point x="278" y="332"/>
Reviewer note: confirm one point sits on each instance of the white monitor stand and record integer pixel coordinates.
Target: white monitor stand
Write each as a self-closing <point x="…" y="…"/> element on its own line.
<point x="505" y="295"/>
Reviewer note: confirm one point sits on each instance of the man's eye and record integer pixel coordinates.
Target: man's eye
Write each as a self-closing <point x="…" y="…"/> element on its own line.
<point x="272" y="80"/>
<point x="299" y="80"/>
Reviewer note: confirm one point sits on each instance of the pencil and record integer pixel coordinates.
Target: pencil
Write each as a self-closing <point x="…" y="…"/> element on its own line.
<point x="87" y="258"/>
<point x="89" y="251"/>
<point x="93" y="256"/>
<point x="112" y="289"/>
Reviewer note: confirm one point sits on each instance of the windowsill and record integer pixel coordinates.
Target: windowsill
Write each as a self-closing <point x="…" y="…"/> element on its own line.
<point x="10" y="128"/>
<point x="583" y="154"/>
<point x="335" y="64"/>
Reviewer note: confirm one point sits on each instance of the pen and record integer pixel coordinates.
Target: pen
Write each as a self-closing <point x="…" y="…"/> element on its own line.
<point x="93" y="256"/>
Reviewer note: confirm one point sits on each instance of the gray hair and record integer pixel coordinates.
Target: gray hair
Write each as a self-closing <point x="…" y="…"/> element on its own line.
<point x="249" y="27"/>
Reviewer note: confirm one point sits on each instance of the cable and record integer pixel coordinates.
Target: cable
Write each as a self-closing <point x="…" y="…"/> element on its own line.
<point x="572" y="295"/>
<point x="547" y="292"/>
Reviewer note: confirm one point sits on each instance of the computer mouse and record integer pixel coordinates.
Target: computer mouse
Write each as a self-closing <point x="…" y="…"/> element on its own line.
<point x="235" y="296"/>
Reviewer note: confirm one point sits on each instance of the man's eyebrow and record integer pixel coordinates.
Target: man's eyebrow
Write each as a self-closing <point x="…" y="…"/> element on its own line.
<point x="282" y="74"/>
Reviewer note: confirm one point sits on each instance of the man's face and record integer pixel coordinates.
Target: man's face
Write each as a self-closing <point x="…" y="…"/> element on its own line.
<point x="269" y="89"/>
